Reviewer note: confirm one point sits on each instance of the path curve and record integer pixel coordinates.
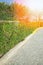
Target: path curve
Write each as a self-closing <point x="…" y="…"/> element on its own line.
<point x="28" y="52"/>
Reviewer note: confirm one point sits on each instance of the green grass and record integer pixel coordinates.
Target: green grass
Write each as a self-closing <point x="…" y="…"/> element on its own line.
<point x="11" y="34"/>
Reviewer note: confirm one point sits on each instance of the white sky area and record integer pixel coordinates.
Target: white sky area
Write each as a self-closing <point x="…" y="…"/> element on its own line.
<point x="34" y="5"/>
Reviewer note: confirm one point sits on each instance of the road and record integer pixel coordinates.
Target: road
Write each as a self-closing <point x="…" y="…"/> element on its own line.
<point x="31" y="53"/>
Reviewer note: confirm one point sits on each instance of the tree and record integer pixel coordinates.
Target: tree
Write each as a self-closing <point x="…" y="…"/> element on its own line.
<point x="19" y="11"/>
<point x="5" y="11"/>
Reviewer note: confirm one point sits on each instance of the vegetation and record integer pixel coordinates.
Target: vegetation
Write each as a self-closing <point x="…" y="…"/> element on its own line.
<point x="5" y="11"/>
<point x="11" y="34"/>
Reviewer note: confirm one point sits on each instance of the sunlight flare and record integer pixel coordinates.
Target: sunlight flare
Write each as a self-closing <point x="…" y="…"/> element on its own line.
<point x="34" y="5"/>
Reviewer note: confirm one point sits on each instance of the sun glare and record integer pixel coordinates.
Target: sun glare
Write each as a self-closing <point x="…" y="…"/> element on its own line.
<point x="35" y="5"/>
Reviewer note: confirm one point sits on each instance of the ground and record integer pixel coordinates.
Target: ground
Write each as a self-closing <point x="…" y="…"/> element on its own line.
<point x="31" y="53"/>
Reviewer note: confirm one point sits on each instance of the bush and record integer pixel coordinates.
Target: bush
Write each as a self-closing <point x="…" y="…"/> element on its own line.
<point x="11" y="34"/>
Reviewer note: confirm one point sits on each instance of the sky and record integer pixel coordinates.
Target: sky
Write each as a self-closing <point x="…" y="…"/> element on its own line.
<point x="8" y="1"/>
<point x="36" y="5"/>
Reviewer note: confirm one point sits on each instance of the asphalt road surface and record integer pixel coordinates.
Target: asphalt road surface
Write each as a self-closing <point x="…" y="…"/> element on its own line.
<point x="31" y="53"/>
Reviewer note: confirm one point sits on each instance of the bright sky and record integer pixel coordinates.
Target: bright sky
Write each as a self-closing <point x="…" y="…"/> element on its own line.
<point x="35" y="5"/>
<point x="8" y="1"/>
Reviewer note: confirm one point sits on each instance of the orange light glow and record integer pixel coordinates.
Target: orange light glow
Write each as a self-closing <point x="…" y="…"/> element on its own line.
<point x="29" y="12"/>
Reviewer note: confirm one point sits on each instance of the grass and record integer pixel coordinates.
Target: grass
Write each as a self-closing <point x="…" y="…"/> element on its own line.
<point x="11" y="33"/>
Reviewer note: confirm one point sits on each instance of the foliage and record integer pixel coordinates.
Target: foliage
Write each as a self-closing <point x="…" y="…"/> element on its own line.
<point x="5" y="11"/>
<point x="11" y="34"/>
<point x="19" y="11"/>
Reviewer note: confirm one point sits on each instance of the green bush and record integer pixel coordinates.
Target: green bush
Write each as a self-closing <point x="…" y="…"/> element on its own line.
<point x="11" y="34"/>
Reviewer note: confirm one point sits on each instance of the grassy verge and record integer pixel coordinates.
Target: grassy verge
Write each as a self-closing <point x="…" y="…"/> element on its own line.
<point x="11" y="33"/>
